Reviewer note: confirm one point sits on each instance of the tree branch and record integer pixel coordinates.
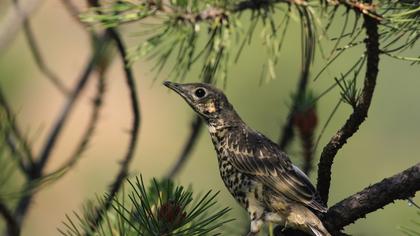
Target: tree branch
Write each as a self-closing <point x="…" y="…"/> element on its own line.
<point x="360" y="111"/>
<point x="12" y="226"/>
<point x="400" y="186"/>
<point x="211" y="13"/>
<point x="135" y="108"/>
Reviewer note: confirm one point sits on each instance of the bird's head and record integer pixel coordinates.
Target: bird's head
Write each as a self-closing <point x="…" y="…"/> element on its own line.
<point x="208" y="101"/>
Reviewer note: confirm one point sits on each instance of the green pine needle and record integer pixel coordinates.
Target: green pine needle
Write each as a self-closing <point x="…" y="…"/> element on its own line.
<point x="162" y="208"/>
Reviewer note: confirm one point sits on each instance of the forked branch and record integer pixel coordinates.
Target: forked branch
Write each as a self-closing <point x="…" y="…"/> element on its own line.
<point x="360" y="111"/>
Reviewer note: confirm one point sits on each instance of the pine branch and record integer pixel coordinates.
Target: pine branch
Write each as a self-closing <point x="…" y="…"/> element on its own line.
<point x="135" y="108"/>
<point x="360" y="111"/>
<point x="99" y="212"/>
<point x="162" y="208"/>
<point x="366" y="8"/>
<point x="398" y="187"/>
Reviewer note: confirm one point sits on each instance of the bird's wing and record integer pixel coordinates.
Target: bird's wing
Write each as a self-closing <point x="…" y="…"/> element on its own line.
<point x="264" y="160"/>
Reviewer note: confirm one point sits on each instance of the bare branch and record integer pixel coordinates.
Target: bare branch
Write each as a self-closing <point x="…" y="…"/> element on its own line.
<point x="196" y="127"/>
<point x="360" y="111"/>
<point x="398" y="187"/>
<point x="135" y="108"/>
<point x="401" y="186"/>
<point x="12" y="226"/>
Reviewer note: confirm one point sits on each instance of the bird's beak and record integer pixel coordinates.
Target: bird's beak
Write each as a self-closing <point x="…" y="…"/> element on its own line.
<point x="175" y="87"/>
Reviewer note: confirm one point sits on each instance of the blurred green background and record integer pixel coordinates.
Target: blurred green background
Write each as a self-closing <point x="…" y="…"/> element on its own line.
<point x="385" y="144"/>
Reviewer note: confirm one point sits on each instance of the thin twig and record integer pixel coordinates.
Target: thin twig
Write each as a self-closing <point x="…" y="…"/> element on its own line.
<point x="360" y="111"/>
<point x="135" y="108"/>
<point x="398" y="187"/>
<point x="13" y="228"/>
<point x="196" y="127"/>
<point x="36" y="52"/>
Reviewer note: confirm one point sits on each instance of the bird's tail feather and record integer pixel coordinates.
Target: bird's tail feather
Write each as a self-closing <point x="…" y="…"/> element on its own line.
<point x="319" y="232"/>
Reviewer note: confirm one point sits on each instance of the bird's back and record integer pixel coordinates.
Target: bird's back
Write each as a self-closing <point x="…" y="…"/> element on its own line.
<point x="247" y="157"/>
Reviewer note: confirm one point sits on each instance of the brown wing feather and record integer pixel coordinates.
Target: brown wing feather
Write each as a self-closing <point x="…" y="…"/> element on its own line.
<point x="272" y="167"/>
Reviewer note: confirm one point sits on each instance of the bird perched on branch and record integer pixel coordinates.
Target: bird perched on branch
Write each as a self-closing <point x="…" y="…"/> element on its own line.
<point x="256" y="172"/>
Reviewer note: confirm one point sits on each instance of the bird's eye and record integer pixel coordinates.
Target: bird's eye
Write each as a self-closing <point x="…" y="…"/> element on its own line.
<point x="200" y="92"/>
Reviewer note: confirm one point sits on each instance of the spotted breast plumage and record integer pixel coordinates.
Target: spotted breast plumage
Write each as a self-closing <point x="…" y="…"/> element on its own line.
<point x="256" y="172"/>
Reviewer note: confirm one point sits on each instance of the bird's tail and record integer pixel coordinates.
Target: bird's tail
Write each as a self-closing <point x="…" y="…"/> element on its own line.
<point x="319" y="230"/>
<point x="300" y="217"/>
<point x="308" y="221"/>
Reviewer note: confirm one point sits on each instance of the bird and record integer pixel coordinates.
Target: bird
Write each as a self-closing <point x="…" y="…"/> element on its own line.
<point x="257" y="173"/>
